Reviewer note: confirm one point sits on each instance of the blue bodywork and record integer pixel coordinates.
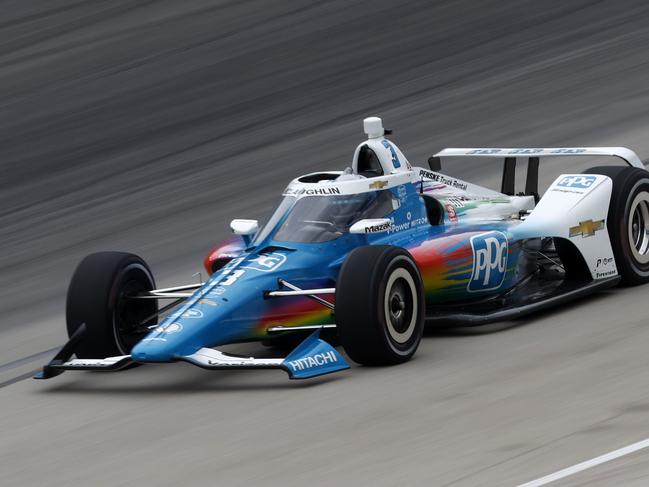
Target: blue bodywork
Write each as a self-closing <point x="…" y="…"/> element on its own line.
<point x="457" y="261"/>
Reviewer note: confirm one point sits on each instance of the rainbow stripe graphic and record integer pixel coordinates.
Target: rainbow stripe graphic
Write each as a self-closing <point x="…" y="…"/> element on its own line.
<point x="446" y="265"/>
<point x="294" y="311"/>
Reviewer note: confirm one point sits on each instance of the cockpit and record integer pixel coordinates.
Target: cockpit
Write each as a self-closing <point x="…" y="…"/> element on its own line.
<point x="315" y="219"/>
<point x="321" y="207"/>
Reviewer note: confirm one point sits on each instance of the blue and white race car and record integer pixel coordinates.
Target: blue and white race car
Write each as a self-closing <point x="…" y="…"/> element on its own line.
<point x="368" y="256"/>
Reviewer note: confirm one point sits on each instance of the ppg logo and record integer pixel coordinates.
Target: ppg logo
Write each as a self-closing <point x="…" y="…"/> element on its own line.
<point x="489" y="261"/>
<point x="266" y="262"/>
<point x="580" y="182"/>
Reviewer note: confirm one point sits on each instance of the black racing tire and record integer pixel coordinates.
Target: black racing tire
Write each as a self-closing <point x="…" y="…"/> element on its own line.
<point x="98" y="296"/>
<point x="628" y="221"/>
<point x="379" y="305"/>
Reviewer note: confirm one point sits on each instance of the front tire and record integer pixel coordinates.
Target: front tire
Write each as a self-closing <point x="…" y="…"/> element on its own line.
<point x="379" y="305"/>
<point x="98" y="296"/>
<point x="628" y="221"/>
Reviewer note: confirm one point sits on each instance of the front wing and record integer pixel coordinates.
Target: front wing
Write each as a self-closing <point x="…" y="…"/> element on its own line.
<point x="312" y="358"/>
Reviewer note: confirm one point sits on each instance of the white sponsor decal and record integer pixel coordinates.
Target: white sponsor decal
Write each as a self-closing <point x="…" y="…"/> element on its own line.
<point x="266" y="262"/>
<point x="311" y="192"/>
<point x="313" y="360"/>
<point x="567" y="150"/>
<point x="170" y="328"/>
<point x="440" y="178"/>
<point x="217" y="291"/>
<point x="455" y="201"/>
<point x="399" y="227"/>
<point x="262" y="263"/>
<point x="192" y="313"/>
<point x="577" y="182"/>
<point x="232" y="277"/>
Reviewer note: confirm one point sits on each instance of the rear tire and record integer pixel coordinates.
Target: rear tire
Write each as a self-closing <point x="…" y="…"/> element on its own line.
<point x="379" y="305"/>
<point x="628" y="221"/>
<point x="97" y="296"/>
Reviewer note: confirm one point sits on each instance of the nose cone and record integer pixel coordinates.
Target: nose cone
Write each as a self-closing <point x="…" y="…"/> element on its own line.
<point x="181" y="333"/>
<point x="159" y="345"/>
<point x="145" y="352"/>
<point x="225" y="309"/>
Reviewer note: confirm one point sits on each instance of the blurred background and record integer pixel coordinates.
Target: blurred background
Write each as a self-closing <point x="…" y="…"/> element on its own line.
<point x="146" y="126"/>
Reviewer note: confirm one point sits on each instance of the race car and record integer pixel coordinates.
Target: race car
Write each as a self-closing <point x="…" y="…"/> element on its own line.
<point x="370" y="255"/>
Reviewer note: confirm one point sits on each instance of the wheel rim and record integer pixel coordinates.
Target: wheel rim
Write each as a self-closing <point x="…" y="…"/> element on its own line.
<point x="400" y="306"/>
<point x="638" y="227"/>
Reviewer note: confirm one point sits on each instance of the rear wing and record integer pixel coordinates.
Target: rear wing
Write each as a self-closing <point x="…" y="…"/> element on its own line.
<point x="533" y="158"/>
<point x="627" y="155"/>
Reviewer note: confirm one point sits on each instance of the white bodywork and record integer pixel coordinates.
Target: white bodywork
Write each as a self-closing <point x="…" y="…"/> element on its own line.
<point x="578" y="215"/>
<point x="244" y="227"/>
<point x="371" y="225"/>
<point x="347" y="185"/>
<point x="565" y="209"/>
<point x="209" y="357"/>
<point x="456" y="191"/>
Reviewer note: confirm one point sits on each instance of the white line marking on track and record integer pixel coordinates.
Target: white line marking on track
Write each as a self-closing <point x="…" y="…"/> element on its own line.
<point x="580" y="467"/>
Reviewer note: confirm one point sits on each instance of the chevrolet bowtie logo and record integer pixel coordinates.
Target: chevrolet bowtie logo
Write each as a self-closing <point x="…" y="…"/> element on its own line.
<point x="378" y="184"/>
<point x="586" y="228"/>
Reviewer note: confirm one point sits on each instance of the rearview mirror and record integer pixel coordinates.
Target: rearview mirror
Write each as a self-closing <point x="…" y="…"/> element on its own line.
<point x="244" y="227"/>
<point x="371" y="225"/>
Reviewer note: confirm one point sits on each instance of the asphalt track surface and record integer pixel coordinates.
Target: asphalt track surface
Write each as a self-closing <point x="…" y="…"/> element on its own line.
<point x="147" y="126"/>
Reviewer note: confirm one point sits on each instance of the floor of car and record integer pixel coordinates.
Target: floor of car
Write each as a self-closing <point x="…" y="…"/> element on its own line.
<point x="534" y="294"/>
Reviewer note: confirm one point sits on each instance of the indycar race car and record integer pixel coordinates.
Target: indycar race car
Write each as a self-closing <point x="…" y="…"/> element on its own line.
<point x="370" y="255"/>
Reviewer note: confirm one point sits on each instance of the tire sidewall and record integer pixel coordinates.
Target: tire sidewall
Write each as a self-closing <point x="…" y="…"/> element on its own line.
<point x="407" y="348"/>
<point x="96" y="297"/>
<point x="360" y="305"/>
<point x="627" y="260"/>
<point x="627" y="183"/>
